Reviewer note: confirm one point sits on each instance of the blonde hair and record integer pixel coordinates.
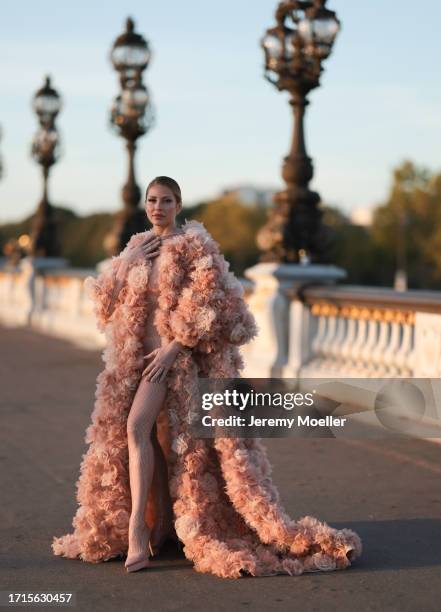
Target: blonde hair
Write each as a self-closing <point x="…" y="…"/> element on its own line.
<point x="166" y="181"/>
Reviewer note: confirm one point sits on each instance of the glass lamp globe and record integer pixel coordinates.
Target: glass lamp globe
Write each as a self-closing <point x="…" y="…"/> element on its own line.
<point x="47" y="102"/>
<point x="130" y="51"/>
<point x="273" y="48"/>
<point x="319" y="33"/>
<point x="135" y="99"/>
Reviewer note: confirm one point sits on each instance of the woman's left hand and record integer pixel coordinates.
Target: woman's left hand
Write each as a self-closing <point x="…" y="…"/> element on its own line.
<point x="163" y="359"/>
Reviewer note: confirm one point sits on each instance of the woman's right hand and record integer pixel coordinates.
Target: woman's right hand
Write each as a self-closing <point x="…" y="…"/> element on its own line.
<point x="147" y="249"/>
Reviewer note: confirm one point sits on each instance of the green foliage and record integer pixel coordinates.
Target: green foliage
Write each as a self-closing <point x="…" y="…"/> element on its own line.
<point x="234" y="226"/>
<point x="231" y="223"/>
<point x="83" y="237"/>
<point x="353" y="249"/>
<point x="406" y="232"/>
<point x="407" y="227"/>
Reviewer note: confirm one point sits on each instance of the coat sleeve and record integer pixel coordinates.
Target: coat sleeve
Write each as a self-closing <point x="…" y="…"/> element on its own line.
<point x="100" y="288"/>
<point x="211" y="309"/>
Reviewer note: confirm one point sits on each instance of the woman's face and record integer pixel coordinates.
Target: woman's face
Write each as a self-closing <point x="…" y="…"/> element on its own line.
<point x="161" y="206"/>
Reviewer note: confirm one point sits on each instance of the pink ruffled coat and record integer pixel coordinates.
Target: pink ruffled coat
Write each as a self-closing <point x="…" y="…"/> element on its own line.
<point x="226" y="508"/>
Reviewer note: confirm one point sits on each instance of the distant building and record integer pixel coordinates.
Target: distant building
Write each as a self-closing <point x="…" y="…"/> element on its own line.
<point x="249" y="195"/>
<point x="361" y="216"/>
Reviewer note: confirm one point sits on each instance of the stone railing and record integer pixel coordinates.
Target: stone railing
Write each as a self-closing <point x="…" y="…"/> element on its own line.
<point x="365" y="334"/>
<point x="49" y="300"/>
<point x="306" y="331"/>
<point x="321" y="330"/>
<point x="372" y="331"/>
<point x="326" y="330"/>
<point x="53" y="300"/>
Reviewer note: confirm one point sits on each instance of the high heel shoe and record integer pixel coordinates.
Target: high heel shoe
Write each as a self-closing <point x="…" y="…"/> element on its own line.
<point x="141" y="561"/>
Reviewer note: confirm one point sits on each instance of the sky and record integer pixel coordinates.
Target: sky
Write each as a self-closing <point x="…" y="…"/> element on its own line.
<point x="219" y="123"/>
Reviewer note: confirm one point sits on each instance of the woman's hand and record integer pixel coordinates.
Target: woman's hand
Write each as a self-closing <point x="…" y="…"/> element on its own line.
<point x="163" y="359"/>
<point x="147" y="249"/>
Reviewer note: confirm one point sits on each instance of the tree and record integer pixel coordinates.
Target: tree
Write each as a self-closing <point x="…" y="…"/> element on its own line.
<point x="234" y="226"/>
<point x="407" y="228"/>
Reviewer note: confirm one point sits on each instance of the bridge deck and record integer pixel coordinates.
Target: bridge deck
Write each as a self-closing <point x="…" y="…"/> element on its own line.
<point x="387" y="490"/>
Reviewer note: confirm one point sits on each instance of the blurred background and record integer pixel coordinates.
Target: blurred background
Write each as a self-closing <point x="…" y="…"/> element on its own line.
<point x="221" y="130"/>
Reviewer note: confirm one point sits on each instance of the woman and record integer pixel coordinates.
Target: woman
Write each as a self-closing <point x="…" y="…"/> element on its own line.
<point x="183" y="314"/>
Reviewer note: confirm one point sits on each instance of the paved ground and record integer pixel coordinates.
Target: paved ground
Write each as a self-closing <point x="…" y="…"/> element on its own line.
<point x="388" y="491"/>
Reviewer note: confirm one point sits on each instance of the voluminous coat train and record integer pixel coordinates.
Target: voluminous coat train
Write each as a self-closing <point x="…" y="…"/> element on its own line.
<point x="227" y="510"/>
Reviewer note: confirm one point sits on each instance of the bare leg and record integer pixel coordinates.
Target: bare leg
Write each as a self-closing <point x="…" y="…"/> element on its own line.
<point x="145" y="408"/>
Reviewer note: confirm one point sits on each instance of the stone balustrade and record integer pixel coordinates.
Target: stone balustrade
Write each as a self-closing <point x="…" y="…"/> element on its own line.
<point x="50" y="300"/>
<point x="372" y="332"/>
<point x="341" y="332"/>
<point x="319" y="330"/>
<point x="309" y="327"/>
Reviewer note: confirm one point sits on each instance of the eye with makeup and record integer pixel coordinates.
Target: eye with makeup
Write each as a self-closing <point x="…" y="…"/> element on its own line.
<point x="164" y="200"/>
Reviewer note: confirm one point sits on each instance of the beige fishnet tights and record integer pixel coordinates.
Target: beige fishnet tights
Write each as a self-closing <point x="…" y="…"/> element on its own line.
<point x="147" y="464"/>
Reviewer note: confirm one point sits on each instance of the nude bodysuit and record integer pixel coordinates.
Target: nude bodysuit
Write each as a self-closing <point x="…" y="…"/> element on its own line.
<point x="152" y="339"/>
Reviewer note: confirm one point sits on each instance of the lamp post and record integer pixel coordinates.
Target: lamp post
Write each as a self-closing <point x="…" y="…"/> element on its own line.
<point x="294" y="51"/>
<point x="45" y="150"/>
<point x="400" y="280"/>
<point x="131" y="117"/>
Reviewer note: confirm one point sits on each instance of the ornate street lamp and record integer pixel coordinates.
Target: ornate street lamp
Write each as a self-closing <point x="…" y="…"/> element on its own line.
<point x="294" y="51"/>
<point x="45" y="150"/>
<point x="131" y="116"/>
